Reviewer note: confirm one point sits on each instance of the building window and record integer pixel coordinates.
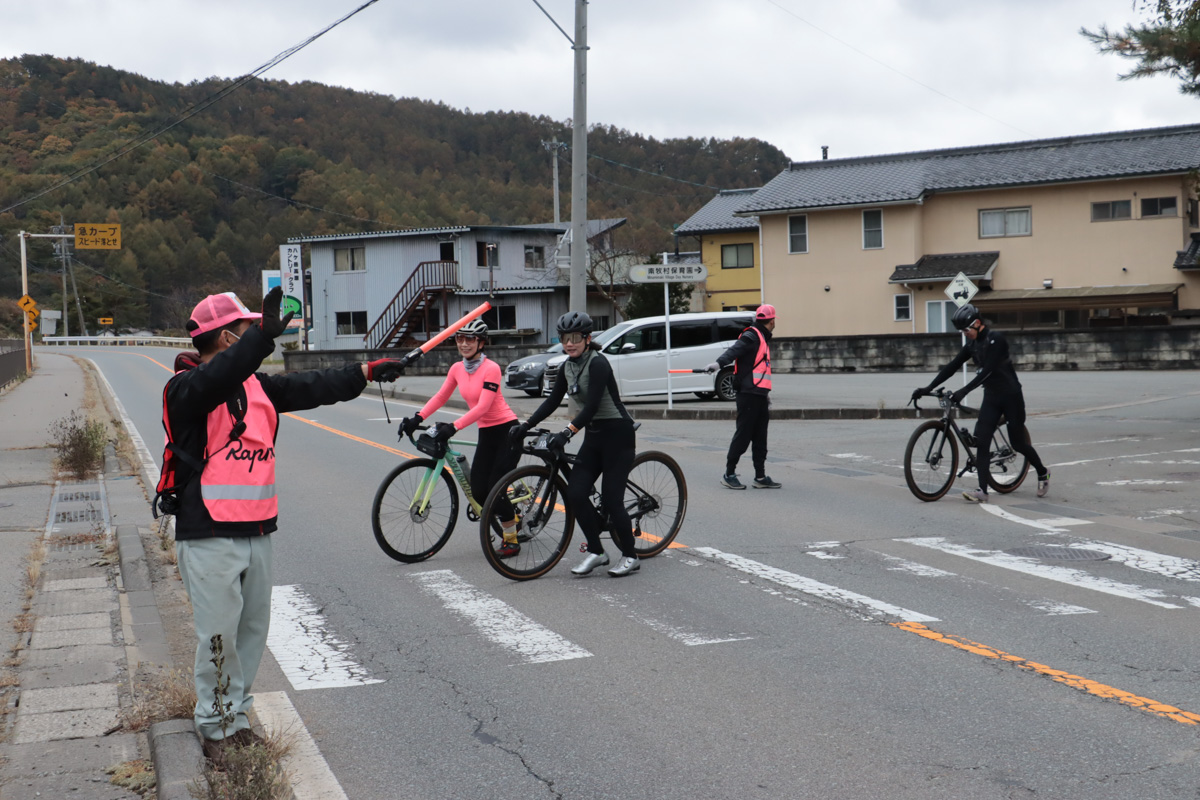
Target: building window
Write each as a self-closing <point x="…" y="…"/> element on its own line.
<point x="1113" y="209"/>
<point x="535" y="256"/>
<point x="873" y="229"/>
<point x="349" y="259"/>
<point x="937" y="315"/>
<point x="1159" y="207"/>
<point x="737" y="256"/>
<point x="1005" y="222"/>
<point x="798" y="234"/>
<point x="1193" y="213"/>
<point x="901" y="307"/>
<point x="501" y="318"/>
<point x="487" y="254"/>
<point x="351" y="323"/>
<point x="446" y="251"/>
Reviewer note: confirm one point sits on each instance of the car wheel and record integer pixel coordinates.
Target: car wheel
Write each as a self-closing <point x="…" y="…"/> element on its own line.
<point x="724" y="385"/>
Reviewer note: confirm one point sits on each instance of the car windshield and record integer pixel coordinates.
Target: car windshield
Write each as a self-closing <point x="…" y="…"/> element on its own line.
<point x="604" y="337"/>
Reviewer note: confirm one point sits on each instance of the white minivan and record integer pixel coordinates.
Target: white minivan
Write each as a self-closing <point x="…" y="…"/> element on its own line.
<point x="637" y="350"/>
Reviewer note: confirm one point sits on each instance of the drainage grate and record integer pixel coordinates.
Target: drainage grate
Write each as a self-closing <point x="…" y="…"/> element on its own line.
<point x="1059" y="553"/>
<point x="87" y="515"/>
<point x="77" y="497"/>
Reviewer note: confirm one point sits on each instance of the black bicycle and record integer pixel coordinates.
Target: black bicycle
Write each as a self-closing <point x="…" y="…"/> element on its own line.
<point x="931" y="458"/>
<point x="655" y="497"/>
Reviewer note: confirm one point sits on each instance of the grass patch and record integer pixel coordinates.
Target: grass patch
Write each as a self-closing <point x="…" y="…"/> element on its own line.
<point x="136" y="776"/>
<point x="80" y="442"/>
<point x="253" y="772"/>
<point x="158" y="698"/>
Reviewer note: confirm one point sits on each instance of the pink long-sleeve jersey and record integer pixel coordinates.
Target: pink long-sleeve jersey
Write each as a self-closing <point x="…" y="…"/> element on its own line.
<point x="481" y="390"/>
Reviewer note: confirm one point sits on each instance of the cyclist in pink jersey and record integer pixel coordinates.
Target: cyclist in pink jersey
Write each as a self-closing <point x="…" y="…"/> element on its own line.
<point x="478" y="380"/>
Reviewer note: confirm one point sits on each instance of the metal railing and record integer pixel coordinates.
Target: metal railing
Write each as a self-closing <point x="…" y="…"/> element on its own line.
<point x="427" y="278"/>
<point x="120" y="341"/>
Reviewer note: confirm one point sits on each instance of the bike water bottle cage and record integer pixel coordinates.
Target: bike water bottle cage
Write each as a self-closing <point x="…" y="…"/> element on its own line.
<point x="430" y="446"/>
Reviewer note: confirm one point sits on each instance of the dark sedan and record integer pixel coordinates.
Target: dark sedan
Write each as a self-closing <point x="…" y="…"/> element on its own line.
<point x="527" y="373"/>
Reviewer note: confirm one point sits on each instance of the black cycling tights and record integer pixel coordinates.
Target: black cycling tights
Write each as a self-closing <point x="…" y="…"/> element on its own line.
<point x="990" y="410"/>
<point x="608" y="449"/>
<point x="494" y="457"/>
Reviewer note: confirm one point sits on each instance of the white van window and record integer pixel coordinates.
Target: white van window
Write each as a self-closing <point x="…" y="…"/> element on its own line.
<point x="645" y="340"/>
<point x="730" y="329"/>
<point x="691" y="334"/>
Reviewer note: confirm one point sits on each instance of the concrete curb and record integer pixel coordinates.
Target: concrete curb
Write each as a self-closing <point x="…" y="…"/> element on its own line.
<point x="178" y="758"/>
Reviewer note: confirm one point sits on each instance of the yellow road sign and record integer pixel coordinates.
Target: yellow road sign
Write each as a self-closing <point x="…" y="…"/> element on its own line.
<point x="105" y="320"/>
<point x="90" y="236"/>
<point x="26" y="302"/>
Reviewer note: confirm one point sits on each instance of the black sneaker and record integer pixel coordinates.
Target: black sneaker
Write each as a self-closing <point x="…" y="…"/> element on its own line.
<point x="731" y="481"/>
<point x="765" y="482"/>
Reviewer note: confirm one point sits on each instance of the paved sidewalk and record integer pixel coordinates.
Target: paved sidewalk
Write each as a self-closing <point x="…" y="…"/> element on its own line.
<point x="91" y="622"/>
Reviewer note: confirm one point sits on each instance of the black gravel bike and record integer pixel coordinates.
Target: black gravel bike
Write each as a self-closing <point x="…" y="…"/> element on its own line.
<point x="931" y="457"/>
<point x="655" y="497"/>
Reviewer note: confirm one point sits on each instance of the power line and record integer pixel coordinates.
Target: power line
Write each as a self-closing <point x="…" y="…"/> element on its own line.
<point x="189" y="112"/>
<point x="887" y="66"/>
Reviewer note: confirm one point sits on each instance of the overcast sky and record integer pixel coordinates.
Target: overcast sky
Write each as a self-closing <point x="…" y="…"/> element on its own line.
<point x="861" y="76"/>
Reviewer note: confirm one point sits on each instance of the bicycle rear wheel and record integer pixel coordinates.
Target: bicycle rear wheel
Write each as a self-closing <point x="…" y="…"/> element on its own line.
<point x="408" y="527"/>
<point x="656" y="499"/>
<point x="929" y="469"/>
<point x="1006" y="468"/>
<point x="546" y="522"/>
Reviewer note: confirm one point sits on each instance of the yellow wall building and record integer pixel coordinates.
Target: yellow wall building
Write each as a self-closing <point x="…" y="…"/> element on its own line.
<point x="729" y="248"/>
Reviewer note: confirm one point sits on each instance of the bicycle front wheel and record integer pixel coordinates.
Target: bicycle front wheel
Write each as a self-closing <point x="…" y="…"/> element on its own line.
<point x="931" y="460"/>
<point x="414" y="511"/>
<point x="656" y="499"/>
<point x="545" y="522"/>
<point x="1006" y="468"/>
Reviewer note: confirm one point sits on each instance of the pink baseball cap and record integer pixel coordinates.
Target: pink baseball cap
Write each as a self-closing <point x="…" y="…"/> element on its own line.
<point x="765" y="312"/>
<point x="217" y="311"/>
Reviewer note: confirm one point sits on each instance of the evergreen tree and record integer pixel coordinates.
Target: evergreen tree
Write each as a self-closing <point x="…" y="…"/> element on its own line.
<point x="1169" y="43"/>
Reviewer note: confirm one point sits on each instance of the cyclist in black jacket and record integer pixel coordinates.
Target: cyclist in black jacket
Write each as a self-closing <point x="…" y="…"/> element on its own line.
<point x="586" y="379"/>
<point x="1002" y="395"/>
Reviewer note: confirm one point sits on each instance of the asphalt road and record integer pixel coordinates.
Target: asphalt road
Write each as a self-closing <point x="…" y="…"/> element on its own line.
<point x="836" y="638"/>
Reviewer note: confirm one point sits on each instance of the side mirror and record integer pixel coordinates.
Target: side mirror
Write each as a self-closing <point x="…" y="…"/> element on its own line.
<point x="628" y="347"/>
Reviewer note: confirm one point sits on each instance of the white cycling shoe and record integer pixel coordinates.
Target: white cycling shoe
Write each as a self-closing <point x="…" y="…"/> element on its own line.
<point x="590" y="562"/>
<point x="625" y="566"/>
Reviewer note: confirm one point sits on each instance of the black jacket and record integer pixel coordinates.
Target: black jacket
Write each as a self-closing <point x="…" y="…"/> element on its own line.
<point x="994" y="367"/>
<point x="192" y="394"/>
<point x="745" y="353"/>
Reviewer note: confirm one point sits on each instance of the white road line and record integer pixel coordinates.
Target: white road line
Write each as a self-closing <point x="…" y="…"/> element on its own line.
<point x="497" y="620"/>
<point x="1113" y="458"/>
<point x="689" y="638"/>
<point x="1049" y="524"/>
<point x="1059" y="609"/>
<point x="1137" y="482"/>
<point x="311" y="778"/>
<point x="924" y="570"/>
<point x="1029" y="566"/>
<point x="1184" y="569"/>
<point x="309" y="655"/>
<point x="858" y="602"/>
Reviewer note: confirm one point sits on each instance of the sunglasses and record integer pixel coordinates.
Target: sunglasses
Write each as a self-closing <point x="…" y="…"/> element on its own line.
<point x="573" y="338"/>
<point x="465" y="337"/>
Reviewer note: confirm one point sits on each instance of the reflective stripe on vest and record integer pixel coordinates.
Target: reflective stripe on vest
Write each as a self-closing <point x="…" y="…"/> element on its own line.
<point x="238" y="482"/>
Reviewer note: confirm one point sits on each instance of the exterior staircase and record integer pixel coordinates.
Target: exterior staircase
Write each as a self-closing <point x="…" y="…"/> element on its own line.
<point x="405" y="321"/>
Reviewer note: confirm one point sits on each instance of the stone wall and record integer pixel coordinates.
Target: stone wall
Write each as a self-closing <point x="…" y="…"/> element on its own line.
<point x="1165" y="347"/>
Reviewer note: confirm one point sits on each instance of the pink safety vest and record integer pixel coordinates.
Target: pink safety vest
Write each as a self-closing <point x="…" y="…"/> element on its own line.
<point x="238" y="482"/>
<point x="761" y="373"/>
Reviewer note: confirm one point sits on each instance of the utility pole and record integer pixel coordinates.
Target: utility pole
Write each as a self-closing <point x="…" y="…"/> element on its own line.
<point x="579" y="239"/>
<point x="554" y="146"/>
<point x="60" y="247"/>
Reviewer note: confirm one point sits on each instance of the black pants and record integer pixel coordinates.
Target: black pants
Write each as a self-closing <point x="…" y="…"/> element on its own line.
<point x="1013" y="409"/>
<point x="608" y="449"/>
<point x="753" y="414"/>
<point x="494" y="457"/>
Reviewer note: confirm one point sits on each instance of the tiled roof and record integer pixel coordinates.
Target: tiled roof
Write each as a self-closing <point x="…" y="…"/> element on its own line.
<point x="906" y="177"/>
<point x="944" y="266"/>
<point x="595" y="227"/>
<point x="1189" y="258"/>
<point x="717" y="214"/>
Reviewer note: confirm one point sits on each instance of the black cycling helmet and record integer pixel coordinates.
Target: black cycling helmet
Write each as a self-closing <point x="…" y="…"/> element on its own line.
<point x="575" y="322"/>
<point x="476" y="327"/>
<point x="964" y="316"/>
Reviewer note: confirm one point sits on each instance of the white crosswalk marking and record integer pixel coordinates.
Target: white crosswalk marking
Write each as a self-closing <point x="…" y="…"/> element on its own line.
<point x="689" y="638"/>
<point x="1029" y="566"/>
<point x="844" y="597"/>
<point x="498" y="621"/>
<point x="1184" y="569"/>
<point x="309" y="655"/>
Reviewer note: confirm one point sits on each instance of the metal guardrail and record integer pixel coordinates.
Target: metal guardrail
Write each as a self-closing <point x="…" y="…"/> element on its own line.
<point x="120" y="341"/>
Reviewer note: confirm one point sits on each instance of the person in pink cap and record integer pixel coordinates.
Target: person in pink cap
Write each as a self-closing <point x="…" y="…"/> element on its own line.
<point x="751" y="359"/>
<point x="221" y="416"/>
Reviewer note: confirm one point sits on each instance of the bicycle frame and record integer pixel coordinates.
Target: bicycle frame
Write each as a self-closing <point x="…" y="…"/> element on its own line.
<point x="450" y="462"/>
<point x="969" y="444"/>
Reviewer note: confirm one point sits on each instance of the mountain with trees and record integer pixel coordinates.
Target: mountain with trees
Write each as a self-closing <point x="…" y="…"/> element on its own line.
<point x="207" y="183"/>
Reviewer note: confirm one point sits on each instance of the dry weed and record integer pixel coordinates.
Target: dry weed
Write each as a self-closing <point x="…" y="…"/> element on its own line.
<point x="254" y="772"/>
<point x="9" y="679"/>
<point x="23" y="622"/>
<point x="136" y="776"/>
<point x="160" y="697"/>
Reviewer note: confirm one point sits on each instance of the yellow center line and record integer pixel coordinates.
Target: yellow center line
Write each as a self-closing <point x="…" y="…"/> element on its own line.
<point x="1074" y="681"/>
<point x="352" y="437"/>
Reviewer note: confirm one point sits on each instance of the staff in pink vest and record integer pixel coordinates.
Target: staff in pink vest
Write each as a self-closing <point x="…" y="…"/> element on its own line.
<point x="751" y="359"/>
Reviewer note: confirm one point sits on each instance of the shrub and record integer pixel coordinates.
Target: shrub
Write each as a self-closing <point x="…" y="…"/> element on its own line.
<point x="80" y="444"/>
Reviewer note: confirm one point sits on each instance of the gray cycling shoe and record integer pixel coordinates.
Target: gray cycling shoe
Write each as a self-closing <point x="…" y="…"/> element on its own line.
<point x="625" y="566"/>
<point x="1043" y="485"/>
<point x="590" y="562"/>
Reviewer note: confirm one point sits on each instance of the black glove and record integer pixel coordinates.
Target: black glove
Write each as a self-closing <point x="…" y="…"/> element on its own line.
<point x="919" y="393"/>
<point x="443" y="431"/>
<point x="559" y="440"/>
<point x="385" y="369"/>
<point x="516" y="434"/>
<point x="409" y="425"/>
<point x="272" y="326"/>
<point x="957" y="397"/>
